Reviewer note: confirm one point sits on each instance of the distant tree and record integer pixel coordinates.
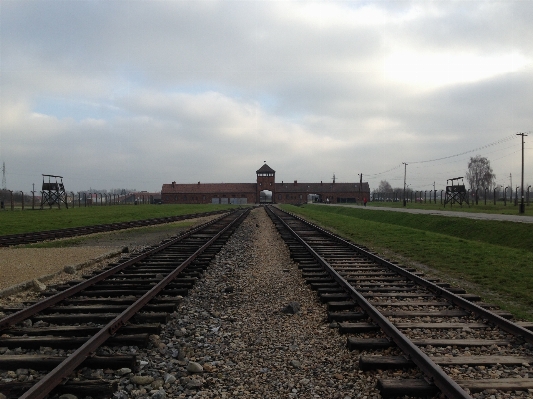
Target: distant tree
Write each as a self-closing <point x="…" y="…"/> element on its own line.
<point x="384" y="187"/>
<point x="479" y="174"/>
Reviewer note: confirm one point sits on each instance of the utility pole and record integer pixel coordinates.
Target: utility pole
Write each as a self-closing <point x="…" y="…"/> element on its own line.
<point x="404" y="181"/>
<point x="522" y="208"/>
<point x="4" y="186"/>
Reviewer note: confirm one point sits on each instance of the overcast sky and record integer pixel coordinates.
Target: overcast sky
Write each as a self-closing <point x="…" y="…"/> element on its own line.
<point x="134" y="94"/>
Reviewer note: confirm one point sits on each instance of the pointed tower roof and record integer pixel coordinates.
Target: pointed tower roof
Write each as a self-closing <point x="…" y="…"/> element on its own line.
<point x="265" y="169"/>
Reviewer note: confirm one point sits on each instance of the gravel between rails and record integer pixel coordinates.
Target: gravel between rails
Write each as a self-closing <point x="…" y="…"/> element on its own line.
<point x="231" y="329"/>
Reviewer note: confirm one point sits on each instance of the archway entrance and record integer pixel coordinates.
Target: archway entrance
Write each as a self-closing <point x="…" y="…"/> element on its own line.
<point x="314" y="198"/>
<point x="265" y="197"/>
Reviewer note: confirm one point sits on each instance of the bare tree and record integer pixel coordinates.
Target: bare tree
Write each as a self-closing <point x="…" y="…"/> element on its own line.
<point x="479" y="174"/>
<point x="384" y="187"/>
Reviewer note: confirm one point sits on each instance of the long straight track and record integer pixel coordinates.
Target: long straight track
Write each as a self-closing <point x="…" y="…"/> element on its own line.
<point x="397" y="319"/>
<point x="120" y="306"/>
<point x="32" y="237"/>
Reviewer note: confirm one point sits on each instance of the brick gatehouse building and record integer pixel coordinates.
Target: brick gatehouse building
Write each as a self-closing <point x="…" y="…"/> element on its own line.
<point x="253" y="193"/>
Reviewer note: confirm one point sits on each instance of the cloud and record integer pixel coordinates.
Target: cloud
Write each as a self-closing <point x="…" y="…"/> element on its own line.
<point x="137" y="94"/>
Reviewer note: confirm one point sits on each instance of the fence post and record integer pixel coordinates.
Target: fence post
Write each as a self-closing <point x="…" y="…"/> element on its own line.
<point x="505" y="196"/>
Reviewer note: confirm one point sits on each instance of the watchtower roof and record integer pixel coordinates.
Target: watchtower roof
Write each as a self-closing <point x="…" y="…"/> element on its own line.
<point x="265" y="169"/>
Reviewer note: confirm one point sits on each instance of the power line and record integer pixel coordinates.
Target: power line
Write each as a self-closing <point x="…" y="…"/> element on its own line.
<point x="508" y="138"/>
<point x="381" y="173"/>
<point x="492" y="152"/>
<point x="503" y="140"/>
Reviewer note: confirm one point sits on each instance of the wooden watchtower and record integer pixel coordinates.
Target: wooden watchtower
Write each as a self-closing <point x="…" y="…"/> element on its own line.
<point x="53" y="192"/>
<point x="456" y="194"/>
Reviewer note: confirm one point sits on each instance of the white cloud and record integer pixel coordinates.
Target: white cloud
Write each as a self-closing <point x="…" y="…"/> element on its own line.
<point x="430" y="70"/>
<point x="140" y="93"/>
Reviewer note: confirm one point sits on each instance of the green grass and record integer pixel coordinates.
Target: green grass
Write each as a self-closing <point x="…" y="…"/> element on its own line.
<point x="51" y="219"/>
<point x="494" y="259"/>
<point x="509" y="234"/>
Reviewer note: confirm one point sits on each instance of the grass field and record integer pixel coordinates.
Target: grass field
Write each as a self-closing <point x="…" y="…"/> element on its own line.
<point x="493" y="259"/>
<point x="51" y="219"/>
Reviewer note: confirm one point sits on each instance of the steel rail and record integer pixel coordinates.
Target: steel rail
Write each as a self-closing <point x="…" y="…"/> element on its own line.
<point x="63" y="370"/>
<point x="463" y="303"/>
<point x="23" y="314"/>
<point x="448" y="386"/>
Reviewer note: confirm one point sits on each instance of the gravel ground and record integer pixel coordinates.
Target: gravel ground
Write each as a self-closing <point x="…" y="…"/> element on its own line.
<point x="22" y="264"/>
<point x="230" y="338"/>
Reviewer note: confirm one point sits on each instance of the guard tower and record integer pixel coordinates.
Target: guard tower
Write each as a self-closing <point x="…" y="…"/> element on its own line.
<point x="53" y="192"/>
<point x="266" y="180"/>
<point x="456" y="194"/>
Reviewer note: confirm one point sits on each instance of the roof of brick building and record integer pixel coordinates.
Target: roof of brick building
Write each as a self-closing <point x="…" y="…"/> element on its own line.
<point x="317" y="188"/>
<point x="265" y="169"/>
<point x="209" y="188"/>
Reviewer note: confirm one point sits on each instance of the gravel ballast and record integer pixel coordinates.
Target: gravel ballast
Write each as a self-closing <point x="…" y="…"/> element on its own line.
<point x="232" y="338"/>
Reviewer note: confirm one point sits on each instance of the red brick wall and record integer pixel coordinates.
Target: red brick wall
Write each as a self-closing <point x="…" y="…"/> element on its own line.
<point x="207" y="198"/>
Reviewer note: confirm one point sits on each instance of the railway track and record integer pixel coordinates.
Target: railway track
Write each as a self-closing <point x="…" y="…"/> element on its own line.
<point x="50" y="341"/>
<point x="29" y="238"/>
<point x="427" y="338"/>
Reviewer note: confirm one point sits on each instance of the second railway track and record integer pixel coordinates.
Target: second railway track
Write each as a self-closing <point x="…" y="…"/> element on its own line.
<point x="33" y="237"/>
<point x="122" y="305"/>
<point x="398" y="320"/>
